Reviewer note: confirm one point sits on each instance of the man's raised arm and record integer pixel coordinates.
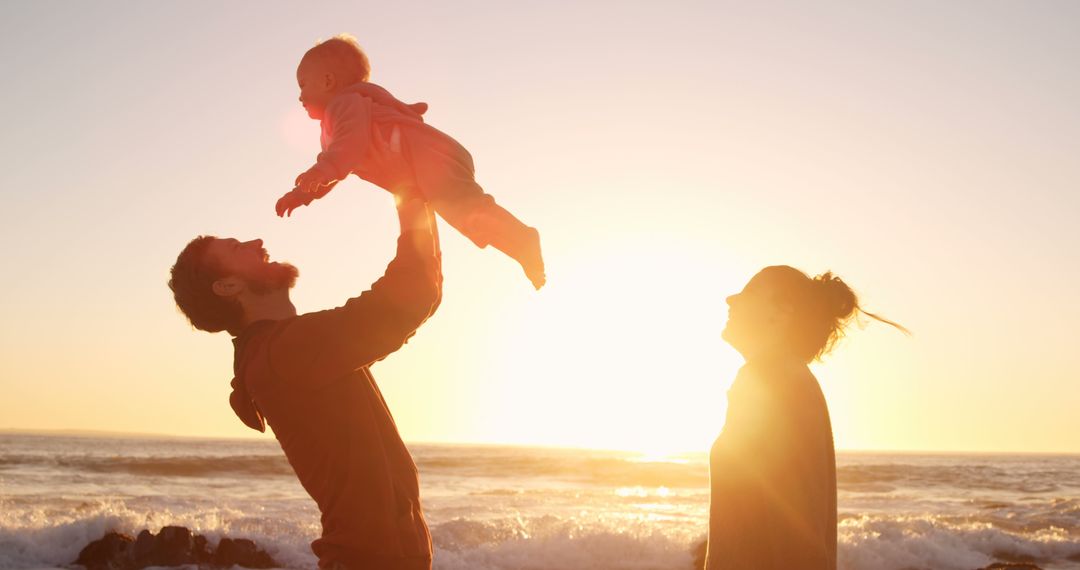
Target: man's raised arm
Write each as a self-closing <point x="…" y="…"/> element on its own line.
<point x="405" y="296"/>
<point x="376" y="323"/>
<point x="412" y="283"/>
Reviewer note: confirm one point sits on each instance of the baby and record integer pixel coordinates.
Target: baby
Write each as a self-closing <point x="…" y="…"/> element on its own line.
<point x="334" y="89"/>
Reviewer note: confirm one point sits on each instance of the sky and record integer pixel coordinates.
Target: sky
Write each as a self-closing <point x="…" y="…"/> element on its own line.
<point x="923" y="151"/>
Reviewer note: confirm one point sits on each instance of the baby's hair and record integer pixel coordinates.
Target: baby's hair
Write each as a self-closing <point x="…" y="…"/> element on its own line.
<point x="345" y="57"/>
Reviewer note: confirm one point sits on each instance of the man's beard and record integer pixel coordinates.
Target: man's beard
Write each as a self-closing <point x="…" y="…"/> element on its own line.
<point x="273" y="276"/>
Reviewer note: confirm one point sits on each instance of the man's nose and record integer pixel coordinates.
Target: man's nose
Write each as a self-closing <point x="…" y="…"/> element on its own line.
<point x="730" y="300"/>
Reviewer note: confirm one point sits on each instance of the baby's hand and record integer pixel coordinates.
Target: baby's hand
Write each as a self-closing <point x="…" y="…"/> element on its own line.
<point x="296" y="198"/>
<point x="313" y="180"/>
<point x="311" y="184"/>
<point x="291" y="201"/>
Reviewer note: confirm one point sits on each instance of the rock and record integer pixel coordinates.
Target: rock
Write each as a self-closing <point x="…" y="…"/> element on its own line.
<point x="173" y="546"/>
<point x="201" y="549"/>
<point x="1011" y="566"/>
<point x="144" y="548"/>
<point x="241" y="552"/>
<point x="111" y="552"/>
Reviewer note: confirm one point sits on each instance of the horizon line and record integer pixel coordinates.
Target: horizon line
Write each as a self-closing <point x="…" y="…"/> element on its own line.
<point x="153" y="435"/>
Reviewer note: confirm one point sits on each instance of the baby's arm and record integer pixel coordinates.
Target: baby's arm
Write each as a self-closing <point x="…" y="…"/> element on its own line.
<point x="298" y="197"/>
<point x="395" y="175"/>
<point x="349" y="120"/>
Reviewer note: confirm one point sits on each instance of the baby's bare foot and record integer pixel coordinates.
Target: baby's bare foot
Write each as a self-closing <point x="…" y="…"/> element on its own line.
<point x="532" y="260"/>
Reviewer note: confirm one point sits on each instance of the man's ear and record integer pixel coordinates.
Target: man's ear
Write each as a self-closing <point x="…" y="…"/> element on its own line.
<point x="228" y="286"/>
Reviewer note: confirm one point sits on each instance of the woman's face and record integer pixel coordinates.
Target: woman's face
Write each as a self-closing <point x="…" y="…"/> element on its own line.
<point x="757" y="323"/>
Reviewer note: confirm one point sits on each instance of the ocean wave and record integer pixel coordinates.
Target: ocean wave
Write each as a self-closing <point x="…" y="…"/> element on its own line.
<point x="610" y="471"/>
<point x="34" y="540"/>
<point x="47" y="538"/>
<point x="949" y="543"/>
<point x="860" y="478"/>
<point x="865" y="543"/>
<point x="581" y="467"/>
<point x="882" y="477"/>
<point x="174" y="466"/>
<point x="856" y="473"/>
<point x="498" y="493"/>
<point x="551" y="543"/>
<point x="547" y="542"/>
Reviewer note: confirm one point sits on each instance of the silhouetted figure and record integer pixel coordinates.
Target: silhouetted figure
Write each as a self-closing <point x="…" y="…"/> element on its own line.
<point x="334" y="88"/>
<point x="773" y="468"/>
<point x="308" y="376"/>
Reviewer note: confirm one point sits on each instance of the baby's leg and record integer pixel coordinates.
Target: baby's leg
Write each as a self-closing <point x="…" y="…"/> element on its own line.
<point x="509" y="235"/>
<point x="444" y="173"/>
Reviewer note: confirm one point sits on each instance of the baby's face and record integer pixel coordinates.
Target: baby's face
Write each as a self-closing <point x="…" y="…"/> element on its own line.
<point x="317" y="86"/>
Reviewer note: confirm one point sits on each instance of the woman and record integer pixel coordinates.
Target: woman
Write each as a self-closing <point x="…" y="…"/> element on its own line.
<point x="773" y="468"/>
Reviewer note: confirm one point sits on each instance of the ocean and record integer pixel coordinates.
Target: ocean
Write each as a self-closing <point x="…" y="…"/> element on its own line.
<point x="503" y="507"/>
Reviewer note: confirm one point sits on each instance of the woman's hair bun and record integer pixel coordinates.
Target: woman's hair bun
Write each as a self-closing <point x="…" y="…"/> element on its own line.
<point x="823" y="307"/>
<point x="840" y="301"/>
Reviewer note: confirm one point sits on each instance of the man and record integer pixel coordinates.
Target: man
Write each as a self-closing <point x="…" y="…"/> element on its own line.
<point x="308" y="376"/>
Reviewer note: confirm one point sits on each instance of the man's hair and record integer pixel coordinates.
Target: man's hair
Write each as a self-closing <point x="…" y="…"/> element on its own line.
<point x="192" y="279"/>
<point x="345" y="58"/>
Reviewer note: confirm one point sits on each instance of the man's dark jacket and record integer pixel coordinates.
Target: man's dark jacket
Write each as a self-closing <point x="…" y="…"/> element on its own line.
<point x="308" y="377"/>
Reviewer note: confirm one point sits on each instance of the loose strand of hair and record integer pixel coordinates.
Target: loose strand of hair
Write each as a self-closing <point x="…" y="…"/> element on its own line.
<point x="881" y="319"/>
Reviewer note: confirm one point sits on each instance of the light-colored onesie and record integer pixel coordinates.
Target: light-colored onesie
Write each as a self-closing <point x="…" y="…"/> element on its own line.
<point x="443" y="168"/>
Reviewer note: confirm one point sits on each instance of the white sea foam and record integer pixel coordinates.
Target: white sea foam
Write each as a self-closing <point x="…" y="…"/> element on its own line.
<point x="941" y="544"/>
<point x="604" y="550"/>
<point x="551" y="543"/>
<point x="43" y="538"/>
<point x="530" y="509"/>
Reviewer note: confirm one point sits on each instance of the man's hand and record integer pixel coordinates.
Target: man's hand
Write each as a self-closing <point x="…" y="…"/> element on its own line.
<point x="414" y="214"/>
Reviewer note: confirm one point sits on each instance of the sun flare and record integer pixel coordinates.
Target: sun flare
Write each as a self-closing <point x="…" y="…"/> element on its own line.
<point x="631" y="352"/>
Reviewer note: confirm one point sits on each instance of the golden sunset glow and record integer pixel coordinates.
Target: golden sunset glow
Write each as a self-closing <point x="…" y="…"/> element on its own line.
<point x="666" y="154"/>
<point x="599" y="344"/>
